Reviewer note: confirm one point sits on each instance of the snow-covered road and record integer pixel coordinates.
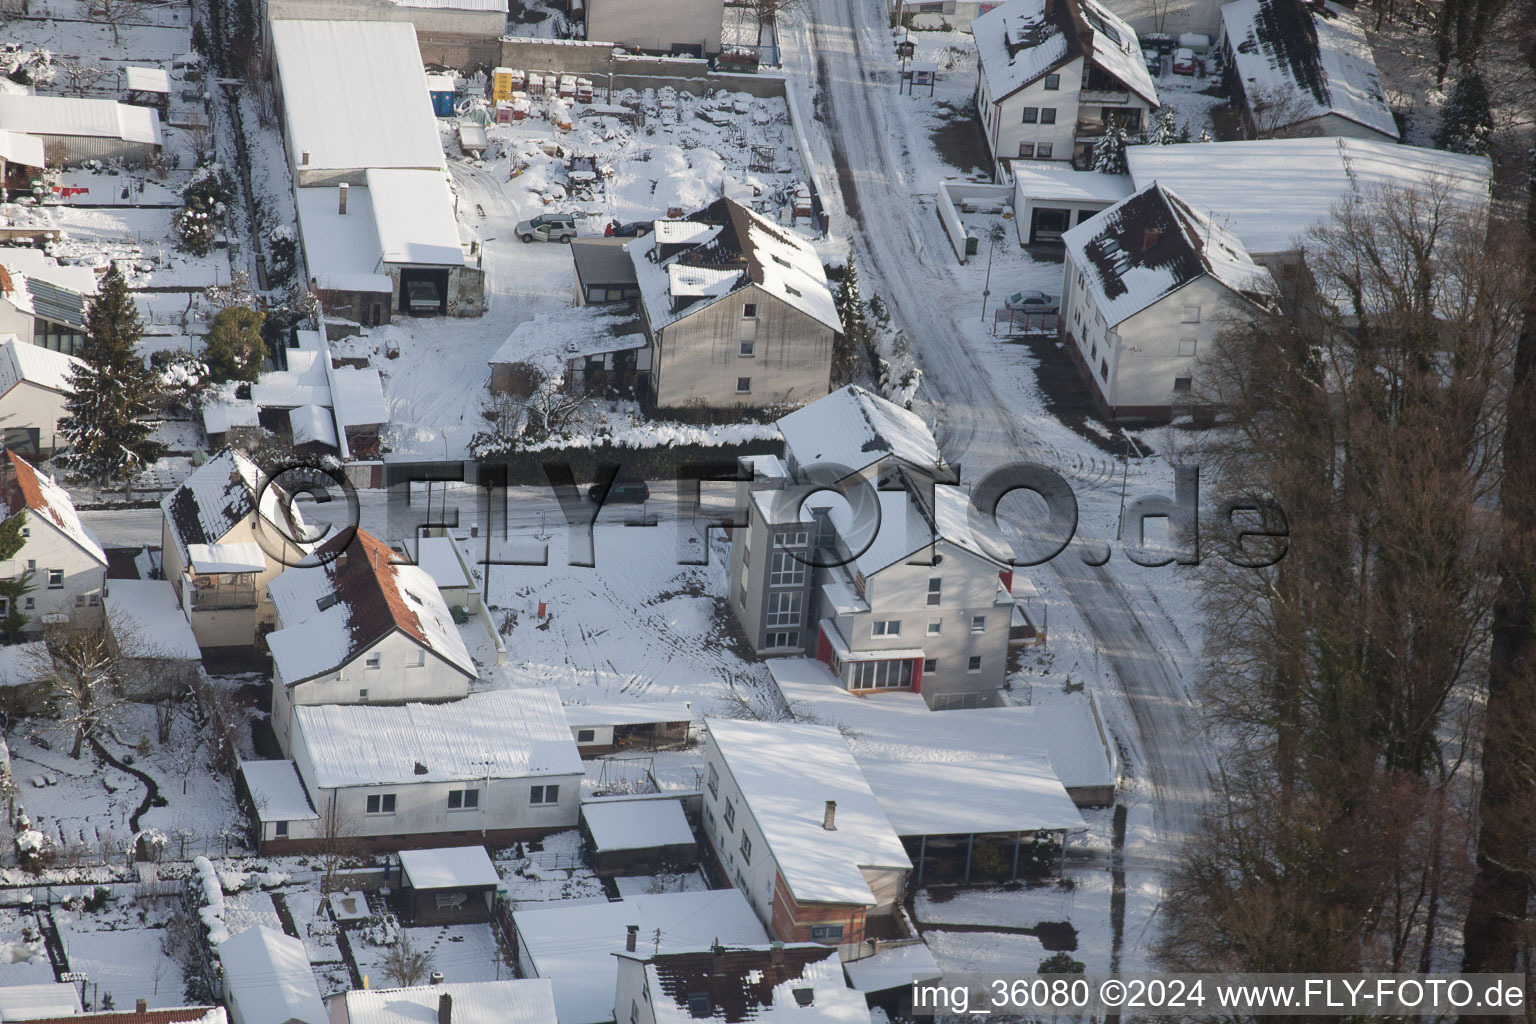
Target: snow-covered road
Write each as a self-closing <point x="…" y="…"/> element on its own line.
<point x="909" y="264"/>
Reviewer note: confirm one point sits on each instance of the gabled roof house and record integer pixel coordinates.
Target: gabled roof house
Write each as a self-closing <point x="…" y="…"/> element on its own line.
<point x="1148" y="285"/>
<point x="362" y="626"/>
<point x="34" y="389"/>
<point x="66" y="563"/>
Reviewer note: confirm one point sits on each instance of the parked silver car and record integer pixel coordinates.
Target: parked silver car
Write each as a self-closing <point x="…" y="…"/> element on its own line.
<point x="1032" y="302"/>
<point x="547" y="227"/>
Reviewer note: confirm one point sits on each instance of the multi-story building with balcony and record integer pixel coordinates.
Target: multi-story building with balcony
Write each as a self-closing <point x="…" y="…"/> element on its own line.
<point x="860" y="549"/>
<point x="1053" y="76"/>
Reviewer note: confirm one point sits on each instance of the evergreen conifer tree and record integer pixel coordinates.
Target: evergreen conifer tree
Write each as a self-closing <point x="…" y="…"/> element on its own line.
<point x="1165" y="131"/>
<point x="850" y="310"/>
<point x="1109" y="154"/>
<point x="1466" y="122"/>
<point x="111" y="394"/>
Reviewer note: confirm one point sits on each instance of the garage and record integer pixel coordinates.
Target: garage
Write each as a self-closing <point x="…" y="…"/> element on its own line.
<point x="423" y="291"/>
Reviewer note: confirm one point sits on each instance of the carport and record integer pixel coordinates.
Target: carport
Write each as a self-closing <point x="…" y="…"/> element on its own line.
<point x="974" y="820"/>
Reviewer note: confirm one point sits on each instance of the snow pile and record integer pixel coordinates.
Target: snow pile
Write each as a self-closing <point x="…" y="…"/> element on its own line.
<point x="663" y="435"/>
<point x="30" y="841"/>
<point x="212" y="914"/>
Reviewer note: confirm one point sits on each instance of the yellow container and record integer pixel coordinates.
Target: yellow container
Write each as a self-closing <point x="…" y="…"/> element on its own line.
<point x="501" y="84"/>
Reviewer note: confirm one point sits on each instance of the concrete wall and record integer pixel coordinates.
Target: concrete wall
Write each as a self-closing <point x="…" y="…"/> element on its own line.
<point x="407" y="672"/>
<point x="658" y="25"/>
<point x="30" y="407"/>
<point x="576" y="57"/>
<point x="756" y="878"/>
<point x="697" y="360"/>
<point x="1170" y="16"/>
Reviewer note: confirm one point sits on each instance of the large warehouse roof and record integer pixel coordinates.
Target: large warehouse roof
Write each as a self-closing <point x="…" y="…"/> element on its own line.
<point x="355" y="95"/>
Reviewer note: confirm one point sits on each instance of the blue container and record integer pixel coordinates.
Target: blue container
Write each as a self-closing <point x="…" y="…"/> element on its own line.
<point x="442" y="104"/>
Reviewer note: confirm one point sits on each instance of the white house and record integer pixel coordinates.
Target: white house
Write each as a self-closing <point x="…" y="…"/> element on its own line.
<point x="801" y="834"/>
<point x="66" y="564"/>
<point x="573" y="943"/>
<point x="267" y="979"/>
<point x="1299" y="68"/>
<point x="222" y="532"/>
<point x="523" y="1001"/>
<point x="75" y="130"/>
<point x="800" y="982"/>
<point x="34" y="389"/>
<point x="737" y="310"/>
<point x="491" y="769"/>
<point x="1053" y="74"/>
<point x="923" y="605"/>
<point x="1148" y="286"/>
<point x="361" y="627"/>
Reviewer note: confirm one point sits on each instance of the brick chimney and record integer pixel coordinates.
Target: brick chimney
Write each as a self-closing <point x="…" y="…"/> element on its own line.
<point x="829" y="816"/>
<point x="341" y="198"/>
<point x="445" y="1009"/>
<point x="631" y="931"/>
<point x="776" y="953"/>
<point x="141" y="1006"/>
<point x="1150" y="237"/>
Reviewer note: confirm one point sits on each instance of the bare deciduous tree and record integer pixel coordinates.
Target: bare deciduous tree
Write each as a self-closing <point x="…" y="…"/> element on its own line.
<point x="1271" y="112"/>
<point x="115" y="13"/>
<point x="83" y="669"/>
<point x="337" y="842"/>
<point x="405" y="964"/>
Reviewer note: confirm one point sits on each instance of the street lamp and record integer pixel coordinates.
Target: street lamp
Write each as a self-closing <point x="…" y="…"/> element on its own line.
<point x="996" y="234"/>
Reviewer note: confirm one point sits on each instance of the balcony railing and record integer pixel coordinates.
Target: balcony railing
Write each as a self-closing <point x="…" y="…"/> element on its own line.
<point x="1104" y="96"/>
<point x="223" y="597"/>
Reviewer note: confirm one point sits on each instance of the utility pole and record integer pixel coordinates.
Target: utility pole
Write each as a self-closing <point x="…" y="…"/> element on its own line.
<point x="996" y="234"/>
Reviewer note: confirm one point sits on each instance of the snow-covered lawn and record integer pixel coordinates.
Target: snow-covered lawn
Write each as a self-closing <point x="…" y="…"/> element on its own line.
<point x="117" y="946"/>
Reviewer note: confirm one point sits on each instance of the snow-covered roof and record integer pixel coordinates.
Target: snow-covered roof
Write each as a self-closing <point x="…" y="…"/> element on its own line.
<point x="332" y="613"/>
<point x="681" y="269"/>
<point x="30" y="1002"/>
<point x="16" y="148"/>
<point x="801" y="982"/>
<point x="149" y="610"/>
<point x="343" y="248"/>
<point x="1041" y="179"/>
<point x="23" y="663"/>
<point x="375" y="284"/>
<point x="901" y="726"/>
<point x="627" y="713"/>
<point x="71" y="115"/>
<point x="267" y="977"/>
<point x="312" y="424"/>
<point x="37" y="265"/>
<point x="47" y="502"/>
<point x="219" y="495"/>
<point x="42" y="298"/>
<point x="449" y="867"/>
<point x="154" y="80"/>
<point x="572" y="944"/>
<point x="1019" y="41"/>
<point x="786" y="774"/>
<point x="413" y="216"/>
<point x="498" y="734"/>
<point x="1153" y="243"/>
<point x="550" y="339"/>
<point x="955" y="798"/>
<point x="524" y="1001"/>
<point x="231" y="556"/>
<point x="908" y="527"/>
<point x="438" y="558"/>
<point x="636" y="824"/>
<point x="276" y="791"/>
<point x="893" y="967"/>
<point x="357" y="393"/>
<point x="1316" y="56"/>
<point x="456" y="5"/>
<point x="219" y="417"/>
<point x="1272" y="191"/>
<point x="855" y="428"/>
<point x="355" y="95"/>
<point x="34" y="364"/>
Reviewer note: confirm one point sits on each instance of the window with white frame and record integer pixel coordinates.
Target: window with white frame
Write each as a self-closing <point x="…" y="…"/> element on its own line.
<point x="362" y="694"/>
<point x="1026" y="151"/>
<point x="935" y="590"/>
<point x="1191" y="314"/>
<point x="714" y="781"/>
<point x="544" y="795"/>
<point x="1043" y="151"/>
<point x="879" y="675"/>
<point x="1183" y="383"/>
<point x="381" y="803"/>
<point x="743" y="385"/>
<point x="1187" y="346"/>
<point x="829" y="933"/>
<point x="730" y="815"/>
<point x="55" y="579"/>
<point x="1031" y="115"/>
<point x="784" y="609"/>
<point x="748" y="348"/>
<point x="749" y="311"/>
<point x="783" y="640"/>
<point x="885" y="627"/>
<point x="935" y="627"/>
<point x="930" y="665"/>
<point x="785" y="570"/>
<point x="794" y="539"/>
<point x="463" y="799"/>
<point x="974" y="664"/>
<point x="746" y="846"/>
<point x="374" y="660"/>
<point x="419" y="661"/>
<point x="280" y="829"/>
